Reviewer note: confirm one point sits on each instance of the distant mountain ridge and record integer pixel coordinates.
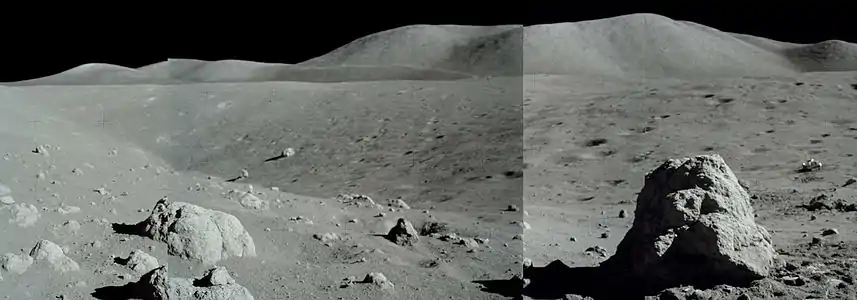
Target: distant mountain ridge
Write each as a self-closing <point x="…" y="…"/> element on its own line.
<point x="636" y="45"/>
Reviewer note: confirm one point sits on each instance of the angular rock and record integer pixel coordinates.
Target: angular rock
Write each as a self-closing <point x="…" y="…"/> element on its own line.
<point x="141" y="262"/>
<point x="694" y="225"/>
<point x="403" y="233"/>
<point x="52" y="253"/>
<point x="197" y="233"/>
<point x="379" y="280"/>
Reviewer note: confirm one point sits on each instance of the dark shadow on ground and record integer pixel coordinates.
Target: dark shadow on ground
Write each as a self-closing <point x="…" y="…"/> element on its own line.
<point x="130" y="229"/>
<point x="556" y="280"/>
<point x="511" y="288"/>
<point x="123" y="292"/>
<point x="275" y="158"/>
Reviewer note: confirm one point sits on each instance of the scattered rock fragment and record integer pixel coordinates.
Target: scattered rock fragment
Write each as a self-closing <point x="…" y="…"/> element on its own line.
<point x="850" y="181"/>
<point x="702" y="213"/>
<point x="25" y="215"/>
<point x="829" y="231"/>
<point x="379" y="280"/>
<point x="215" y="284"/>
<point x="512" y="208"/>
<point x="810" y="166"/>
<point x="326" y="237"/>
<point x="403" y="233"/>
<point x="359" y="201"/>
<point x="140" y="262"/>
<point x="434" y="227"/>
<point x="399" y="203"/>
<point x="248" y="200"/>
<point x="68" y="210"/>
<point x="41" y="150"/>
<point x="194" y="232"/>
<point x="288" y="152"/>
<point x="825" y="202"/>
<point x="597" y="250"/>
<point x="6" y="195"/>
<point x="469" y="243"/>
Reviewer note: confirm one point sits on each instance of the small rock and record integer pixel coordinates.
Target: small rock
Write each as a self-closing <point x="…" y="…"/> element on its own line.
<point x="288" y="152"/>
<point x="605" y="235"/>
<point x="512" y="207"/>
<point x="816" y="240"/>
<point x="793" y="280"/>
<point x="399" y="203"/>
<point x="68" y="210"/>
<point x="326" y="237"/>
<point x="141" y="262"/>
<point x="379" y="280"/>
<point x="850" y="181"/>
<point x="41" y="150"/>
<point x="623" y="214"/>
<point x="403" y="233"/>
<point x="469" y="243"/>
<point x="829" y="231"/>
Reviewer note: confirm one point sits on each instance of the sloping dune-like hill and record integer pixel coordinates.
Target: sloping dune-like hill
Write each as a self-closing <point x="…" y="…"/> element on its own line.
<point x="649" y="45"/>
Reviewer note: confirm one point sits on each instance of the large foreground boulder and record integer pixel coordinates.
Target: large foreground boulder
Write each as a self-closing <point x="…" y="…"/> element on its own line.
<point x="693" y="225"/>
<point x="197" y="233"/>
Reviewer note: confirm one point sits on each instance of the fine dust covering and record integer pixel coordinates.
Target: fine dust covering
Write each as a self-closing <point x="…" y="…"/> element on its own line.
<point x="190" y="179"/>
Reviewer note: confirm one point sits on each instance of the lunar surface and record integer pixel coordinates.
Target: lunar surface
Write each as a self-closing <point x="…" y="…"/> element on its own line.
<point x="625" y="158"/>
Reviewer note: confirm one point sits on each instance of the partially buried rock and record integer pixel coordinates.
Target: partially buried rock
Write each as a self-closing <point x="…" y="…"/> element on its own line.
<point x="197" y="233"/>
<point x="215" y="284"/>
<point x="14" y="263"/>
<point x="379" y="280"/>
<point x="249" y="201"/>
<point x="26" y="215"/>
<point x="694" y="225"/>
<point x="403" y="233"/>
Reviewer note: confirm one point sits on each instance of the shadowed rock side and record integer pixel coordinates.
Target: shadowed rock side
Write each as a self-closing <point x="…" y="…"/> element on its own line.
<point x="693" y="226"/>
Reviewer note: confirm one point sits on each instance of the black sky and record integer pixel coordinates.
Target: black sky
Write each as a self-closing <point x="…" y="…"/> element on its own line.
<point x="35" y="48"/>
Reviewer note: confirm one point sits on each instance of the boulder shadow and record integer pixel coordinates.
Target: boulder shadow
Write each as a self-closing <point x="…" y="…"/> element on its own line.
<point x="123" y="292"/>
<point x="130" y="229"/>
<point x="556" y="280"/>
